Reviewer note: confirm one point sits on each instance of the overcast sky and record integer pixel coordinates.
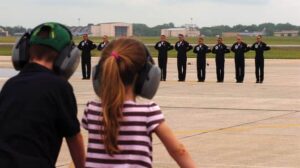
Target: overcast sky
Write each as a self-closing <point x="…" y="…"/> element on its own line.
<point x="29" y="13"/>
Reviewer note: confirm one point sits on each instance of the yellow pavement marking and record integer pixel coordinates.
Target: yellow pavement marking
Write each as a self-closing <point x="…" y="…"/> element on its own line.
<point x="238" y="129"/>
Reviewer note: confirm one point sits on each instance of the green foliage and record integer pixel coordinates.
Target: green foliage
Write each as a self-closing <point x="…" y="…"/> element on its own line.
<point x="270" y="28"/>
<point x="6" y="49"/>
<point x="15" y="29"/>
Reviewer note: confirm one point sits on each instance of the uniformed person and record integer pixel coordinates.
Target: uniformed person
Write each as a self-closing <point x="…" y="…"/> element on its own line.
<point x="239" y="48"/>
<point x="103" y="44"/>
<point x="201" y="50"/>
<point x="163" y="46"/>
<point x="86" y="46"/>
<point x="259" y="47"/>
<point x="220" y="50"/>
<point x="182" y="47"/>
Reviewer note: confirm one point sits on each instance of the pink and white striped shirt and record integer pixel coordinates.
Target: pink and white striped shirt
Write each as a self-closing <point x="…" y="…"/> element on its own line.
<point x="134" y="140"/>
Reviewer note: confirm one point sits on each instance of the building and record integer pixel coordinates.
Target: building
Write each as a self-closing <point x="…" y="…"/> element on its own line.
<point x="287" y="33"/>
<point x="188" y="31"/>
<point x="113" y="29"/>
<point x="3" y="33"/>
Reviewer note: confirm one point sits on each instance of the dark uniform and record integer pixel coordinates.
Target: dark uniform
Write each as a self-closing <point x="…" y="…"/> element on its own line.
<point x="37" y="109"/>
<point x="220" y="50"/>
<point x="86" y="47"/>
<point x="163" y="47"/>
<point x="182" y="47"/>
<point x="201" y="51"/>
<point x="239" y="59"/>
<point x="259" y="49"/>
<point x="102" y="45"/>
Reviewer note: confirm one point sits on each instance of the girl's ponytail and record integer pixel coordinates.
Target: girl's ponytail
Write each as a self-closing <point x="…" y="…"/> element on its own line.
<point x="119" y="66"/>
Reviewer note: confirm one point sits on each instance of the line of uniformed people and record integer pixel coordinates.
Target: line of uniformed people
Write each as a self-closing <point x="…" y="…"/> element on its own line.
<point x="182" y="47"/>
<point x="220" y="49"/>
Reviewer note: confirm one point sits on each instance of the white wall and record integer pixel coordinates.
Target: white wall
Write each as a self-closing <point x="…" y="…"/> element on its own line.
<point x="109" y="29"/>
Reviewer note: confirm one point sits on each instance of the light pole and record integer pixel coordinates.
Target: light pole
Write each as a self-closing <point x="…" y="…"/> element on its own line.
<point x="78" y="21"/>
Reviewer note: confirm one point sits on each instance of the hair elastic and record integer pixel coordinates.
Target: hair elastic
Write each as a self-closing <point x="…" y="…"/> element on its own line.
<point x="115" y="55"/>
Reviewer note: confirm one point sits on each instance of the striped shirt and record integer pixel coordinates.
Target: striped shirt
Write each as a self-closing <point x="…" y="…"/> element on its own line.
<point x="134" y="140"/>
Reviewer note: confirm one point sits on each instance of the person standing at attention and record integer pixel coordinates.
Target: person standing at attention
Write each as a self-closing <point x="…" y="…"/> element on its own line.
<point x="103" y="44"/>
<point x="259" y="47"/>
<point x="239" y="48"/>
<point x="86" y="46"/>
<point x="220" y="49"/>
<point x="163" y="46"/>
<point x="201" y="50"/>
<point x="182" y="47"/>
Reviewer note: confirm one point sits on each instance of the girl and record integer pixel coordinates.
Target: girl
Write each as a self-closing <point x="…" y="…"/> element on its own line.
<point x="120" y="128"/>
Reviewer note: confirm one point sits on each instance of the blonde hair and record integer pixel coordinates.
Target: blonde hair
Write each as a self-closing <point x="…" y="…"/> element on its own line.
<point x="120" y="64"/>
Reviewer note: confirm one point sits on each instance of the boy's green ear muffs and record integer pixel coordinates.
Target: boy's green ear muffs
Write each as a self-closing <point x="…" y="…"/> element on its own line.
<point x="146" y="84"/>
<point x="60" y="39"/>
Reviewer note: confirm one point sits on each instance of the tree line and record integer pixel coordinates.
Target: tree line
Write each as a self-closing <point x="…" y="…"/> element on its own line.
<point x="140" y="29"/>
<point x="269" y="27"/>
<point x="144" y="30"/>
<point x="14" y="30"/>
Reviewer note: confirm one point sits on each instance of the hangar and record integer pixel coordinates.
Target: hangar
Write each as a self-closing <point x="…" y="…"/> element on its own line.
<point x="112" y="29"/>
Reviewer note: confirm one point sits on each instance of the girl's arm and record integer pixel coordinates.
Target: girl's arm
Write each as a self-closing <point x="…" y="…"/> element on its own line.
<point x="174" y="147"/>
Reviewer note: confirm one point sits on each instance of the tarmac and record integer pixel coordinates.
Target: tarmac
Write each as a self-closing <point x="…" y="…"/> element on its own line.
<point x="223" y="125"/>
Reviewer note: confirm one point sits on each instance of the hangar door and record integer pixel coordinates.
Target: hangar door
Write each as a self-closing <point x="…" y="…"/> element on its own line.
<point x="121" y="31"/>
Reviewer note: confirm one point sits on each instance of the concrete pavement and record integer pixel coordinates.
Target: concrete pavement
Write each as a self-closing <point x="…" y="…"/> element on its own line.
<point x="223" y="125"/>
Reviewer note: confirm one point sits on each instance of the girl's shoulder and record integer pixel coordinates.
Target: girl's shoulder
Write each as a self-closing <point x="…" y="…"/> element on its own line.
<point x="94" y="105"/>
<point x="147" y="106"/>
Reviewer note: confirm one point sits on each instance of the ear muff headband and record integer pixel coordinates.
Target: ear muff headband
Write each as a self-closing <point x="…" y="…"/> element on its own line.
<point x="146" y="84"/>
<point x="20" y="53"/>
<point x="148" y="81"/>
<point x="66" y="62"/>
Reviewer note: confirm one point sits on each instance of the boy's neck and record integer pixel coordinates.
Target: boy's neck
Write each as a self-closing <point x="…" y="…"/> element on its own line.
<point x="48" y="65"/>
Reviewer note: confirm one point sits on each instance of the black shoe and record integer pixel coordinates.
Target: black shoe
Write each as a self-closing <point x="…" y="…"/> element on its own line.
<point x="83" y="78"/>
<point x="261" y="82"/>
<point x="257" y="81"/>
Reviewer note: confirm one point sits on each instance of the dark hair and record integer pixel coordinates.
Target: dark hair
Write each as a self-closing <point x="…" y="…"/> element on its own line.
<point x="43" y="52"/>
<point x="120" y="64"/>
